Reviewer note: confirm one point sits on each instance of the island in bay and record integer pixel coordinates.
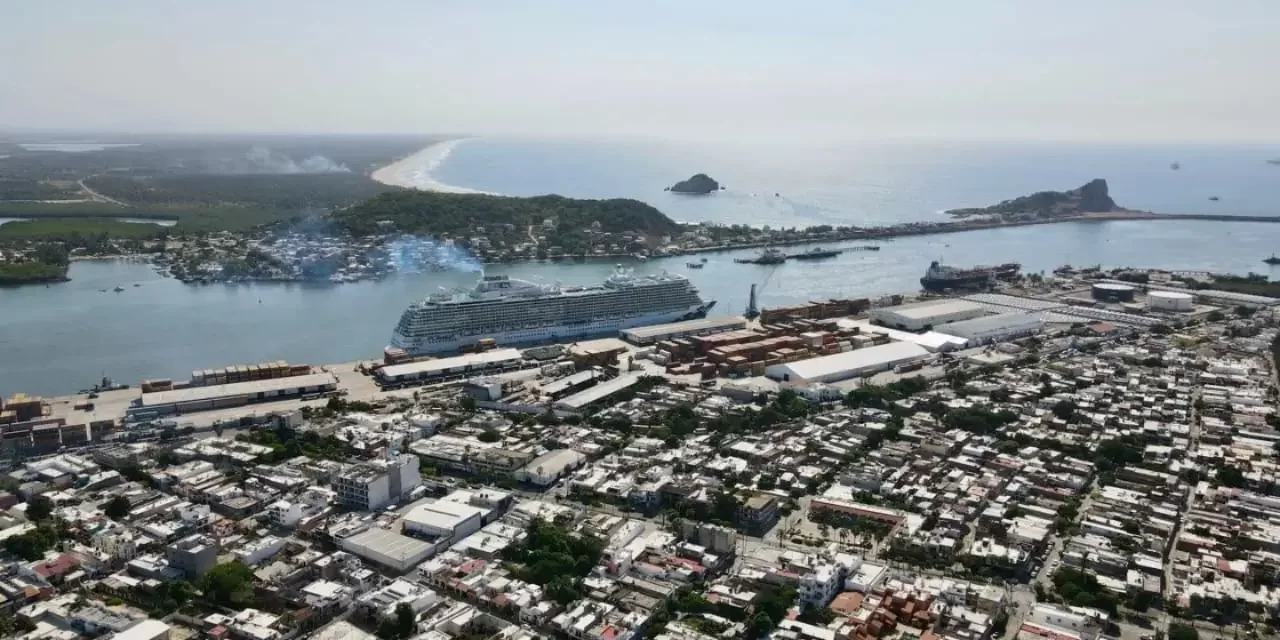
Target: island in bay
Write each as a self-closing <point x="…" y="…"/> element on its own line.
<point x="698" y="184"/>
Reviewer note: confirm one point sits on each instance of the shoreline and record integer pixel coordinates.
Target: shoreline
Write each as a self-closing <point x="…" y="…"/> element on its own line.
<point x="415" y="171"/>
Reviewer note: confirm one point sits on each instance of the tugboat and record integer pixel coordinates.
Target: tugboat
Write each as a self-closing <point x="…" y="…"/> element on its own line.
<point x="105" y="385"/>
<point x="816" y="253"/>
<point x="768" y="256"/>
<point x="1272" y="260"/>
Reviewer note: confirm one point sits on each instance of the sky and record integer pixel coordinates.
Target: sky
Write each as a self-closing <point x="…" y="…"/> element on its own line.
<point x="1158" y="71"/>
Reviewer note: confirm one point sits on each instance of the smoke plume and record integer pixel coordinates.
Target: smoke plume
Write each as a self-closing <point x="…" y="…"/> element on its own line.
<point x="414" y="254"/>
<point x="263" y="160"/>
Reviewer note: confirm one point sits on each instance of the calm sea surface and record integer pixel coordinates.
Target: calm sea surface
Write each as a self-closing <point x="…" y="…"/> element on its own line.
<point x="60" y="338"/>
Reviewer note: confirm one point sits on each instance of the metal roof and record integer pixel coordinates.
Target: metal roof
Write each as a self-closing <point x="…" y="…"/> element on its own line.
<point x="444" y="364"/>
<point x="598" y="392"/>
<point x="933" y="308"/>
<point x="856" y="360"/>
<point x="216" y="391"/>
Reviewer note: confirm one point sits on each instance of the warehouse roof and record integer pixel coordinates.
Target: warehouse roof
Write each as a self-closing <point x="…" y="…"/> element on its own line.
<point x="440" y="365"/>
<point x="701" y="324"/>
<point x="931" y="340"/>
<point x="215" y="391"/>
<point x="932" y="308"/>
<point x="991" y="323"/>
<point x="389" y="543"/>
<point x="856" y="360"/>
<point x="599" y="392"/>
<point x="443" y="514"/>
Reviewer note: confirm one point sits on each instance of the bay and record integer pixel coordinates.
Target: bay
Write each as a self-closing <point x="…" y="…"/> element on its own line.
<point x="60" y="338"/>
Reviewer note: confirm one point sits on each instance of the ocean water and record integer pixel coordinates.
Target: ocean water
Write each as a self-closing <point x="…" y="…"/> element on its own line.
<point x="60" y="338"/>
<point x="872" y="183"/>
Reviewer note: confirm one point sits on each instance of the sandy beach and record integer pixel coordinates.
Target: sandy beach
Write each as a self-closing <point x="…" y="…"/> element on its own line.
<point x="415" y="171"/>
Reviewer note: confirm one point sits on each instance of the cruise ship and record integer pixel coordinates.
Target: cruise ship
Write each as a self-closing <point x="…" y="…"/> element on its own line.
<point x="516" y="312"/>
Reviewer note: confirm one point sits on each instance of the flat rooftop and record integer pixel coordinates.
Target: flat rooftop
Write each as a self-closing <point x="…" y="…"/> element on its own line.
<point x="235" y="389"/>
<point x="856" y="360"/>
<point x="441" y="365"/>
<point x="701" y="324"/>
<point x="933" y="308"/>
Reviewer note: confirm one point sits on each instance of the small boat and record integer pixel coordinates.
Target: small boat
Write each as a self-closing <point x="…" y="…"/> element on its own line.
<point x="1275" y="161"/>
<point x="118" y="289"/>
<point x="102" y="290"/>
<point x="702" y="260"/>
<point x="1175" y="166"/>
<point x="695" y="265"/>
<point x="137" y="284"/>
<point x="1214" y="198"/>
<point x="1272" y="260"/>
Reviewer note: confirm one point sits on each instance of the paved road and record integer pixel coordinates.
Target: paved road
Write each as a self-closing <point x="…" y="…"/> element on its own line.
<point x="98" y="196"/>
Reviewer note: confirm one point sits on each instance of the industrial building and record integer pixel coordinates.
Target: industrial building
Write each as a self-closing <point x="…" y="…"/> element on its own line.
<point x="449" y="368"/>
<point x="701" y="327"/>
<point x="1169" y="301"/>
<point x="597" y="393"/>
<point x="444" y="519"/>
<point x="998" y="328"/>
<point x="375" y="484"/>
<point x="919" y="316"/>
<point x="550" y="466"/>
<point x="848" y="364"/>
<point x="1109" y="292"/>
<point x="222" y="396"/>
<point x="390" y="549"/>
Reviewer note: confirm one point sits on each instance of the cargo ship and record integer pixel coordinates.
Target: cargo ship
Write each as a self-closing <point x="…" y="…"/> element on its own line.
<point x="816" y="253"/>
<point x="514" y="312"/>
<point x="941" y="277"/>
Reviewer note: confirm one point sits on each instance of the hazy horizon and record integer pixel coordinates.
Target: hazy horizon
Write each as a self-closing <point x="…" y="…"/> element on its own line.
<point x="1136" y="71"/>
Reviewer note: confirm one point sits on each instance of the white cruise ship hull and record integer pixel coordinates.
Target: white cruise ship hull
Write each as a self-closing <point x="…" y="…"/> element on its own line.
<point x="552" y="334"/>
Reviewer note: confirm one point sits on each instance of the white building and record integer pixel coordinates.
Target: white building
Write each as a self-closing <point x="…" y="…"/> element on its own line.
<point x="259" y="550"/>
<point x="849" y="364"/>
<point x="374" y="485"/>
<point x="117" y="543"/>
<point x="1169" y="301"/>
<point x="997" y="328"/>
<point x="144" y="630"/>
<point x="918" y="316"/>
<point x="444" y="519"/>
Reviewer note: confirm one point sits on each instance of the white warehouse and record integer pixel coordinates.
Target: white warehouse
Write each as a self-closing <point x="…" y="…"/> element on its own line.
<point x="849" y="364"/>
<point x="918" y="316"/>
<point x="997" y="328"/>
<point x="1168" y="301"/>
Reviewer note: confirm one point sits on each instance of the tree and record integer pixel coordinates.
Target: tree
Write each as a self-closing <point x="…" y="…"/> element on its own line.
<point x="1215" y="316"/>
<point x="489" y="435"/>
<point x="468" y="404"/>
<point x="406" y="620"/>
<point x="117" y="507"/>
<point x="39" y="508"/>
<point x="1065" y="410"/>
<point x="229" y="584"/>
<point x="758" y="625"/>
<point x="1229" y="476"/>
<point x="1183" y="632"/>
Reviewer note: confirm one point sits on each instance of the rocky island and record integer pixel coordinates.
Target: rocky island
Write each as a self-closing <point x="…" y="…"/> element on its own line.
<point x="1091" y="198"/>
<point x="698" y="184"/>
